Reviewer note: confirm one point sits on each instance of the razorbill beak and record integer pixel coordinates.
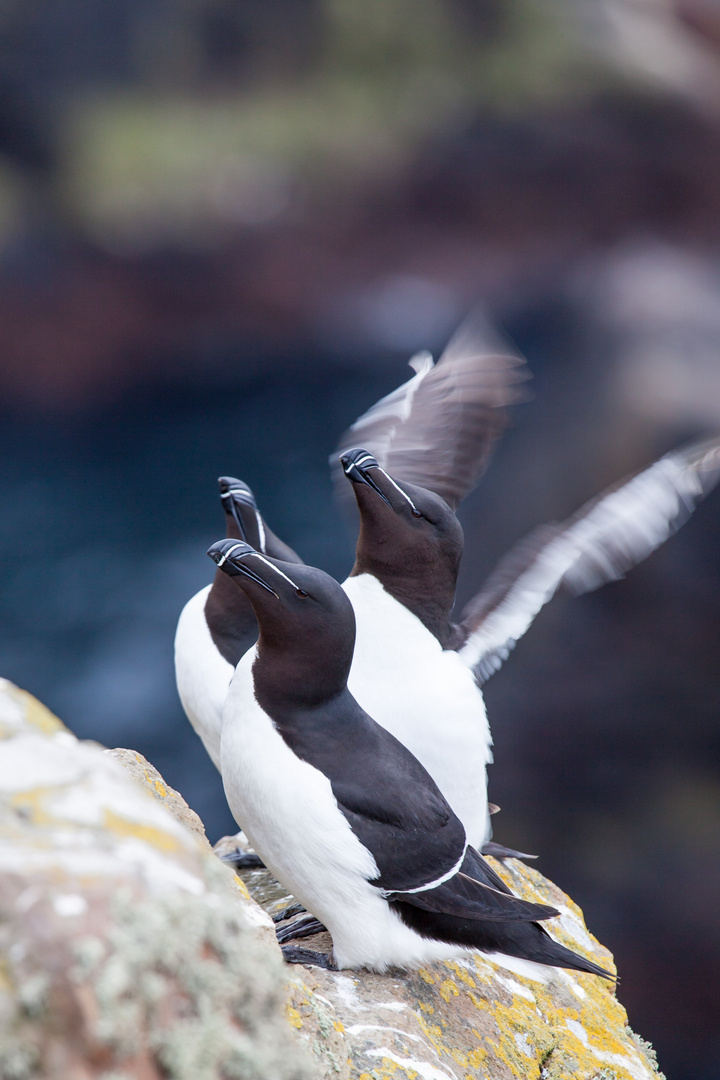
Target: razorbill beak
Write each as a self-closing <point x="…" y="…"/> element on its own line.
<point x="227" y="556"/>
<point x="244" y="519"/>
<point x="217" y="626"/>
<point x="357" y="466"/>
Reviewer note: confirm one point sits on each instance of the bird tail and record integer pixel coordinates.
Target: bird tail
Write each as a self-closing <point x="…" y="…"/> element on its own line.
<point x="546" y="950"/>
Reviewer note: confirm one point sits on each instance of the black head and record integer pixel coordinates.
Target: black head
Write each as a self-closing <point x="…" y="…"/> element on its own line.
<point x="407" y="533"/>
<point x="241" y="512"/>
<point x="307" y="625"/>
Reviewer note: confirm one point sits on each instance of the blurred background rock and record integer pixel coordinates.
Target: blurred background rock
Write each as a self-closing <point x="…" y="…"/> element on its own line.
<point x="224" y="226"/>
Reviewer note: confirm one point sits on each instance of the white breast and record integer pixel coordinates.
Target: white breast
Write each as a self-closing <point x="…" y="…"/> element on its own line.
<point x="202" y="674"/>
<point x="288" y="811"/>
<point x="423" y="695"/>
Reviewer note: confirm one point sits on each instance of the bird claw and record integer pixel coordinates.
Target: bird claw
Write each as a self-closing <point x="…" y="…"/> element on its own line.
<point x="307" y="927"/>
<point x="243" y="860"/>
<point x="295" y="955"/>
<point x="288" y="912"/>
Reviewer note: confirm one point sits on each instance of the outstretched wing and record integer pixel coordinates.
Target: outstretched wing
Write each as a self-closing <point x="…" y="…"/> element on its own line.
<point x="600" y="543"/>
<point x="437" y="430"/>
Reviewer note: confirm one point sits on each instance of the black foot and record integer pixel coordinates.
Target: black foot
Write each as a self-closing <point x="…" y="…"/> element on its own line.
<point x="499" y="852"/>
<point x="288" y="912"/>
<point x="243" y="860"/>
<point x="300" y="929"/>
<point x="294" y="955"/>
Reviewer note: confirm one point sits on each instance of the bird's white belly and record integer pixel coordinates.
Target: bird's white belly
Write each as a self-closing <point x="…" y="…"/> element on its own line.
<point x="291" y="817"/>
<point x="423" y="695"/>
<point x="202" y="674"/>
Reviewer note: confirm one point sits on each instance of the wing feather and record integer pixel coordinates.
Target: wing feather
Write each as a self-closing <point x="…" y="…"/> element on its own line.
<point x="600" y="543"/>
<point x="437" y="430"/>
<point x="476" y="892"/>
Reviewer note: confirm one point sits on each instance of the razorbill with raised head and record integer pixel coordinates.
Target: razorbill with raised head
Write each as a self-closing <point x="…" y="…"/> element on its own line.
<point x="217" y="626"/>
<point x="402" y="589"/>
<point x="340" y="811"/>
<point x="477" y="375"/>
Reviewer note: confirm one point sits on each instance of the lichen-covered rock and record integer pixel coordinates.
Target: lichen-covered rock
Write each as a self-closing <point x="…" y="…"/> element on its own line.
<point x="147" y="776"/>
<point x="129" y="952"/>
<point x="470" y="1019"/>
<point x="126" y="949"/>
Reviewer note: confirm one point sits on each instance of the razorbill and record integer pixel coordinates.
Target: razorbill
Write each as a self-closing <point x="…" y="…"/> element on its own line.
<point x="217" y="626"/>
<point x="402" y="588"/>
<point x="340" y="811"/>
<point x="477" y="376"/>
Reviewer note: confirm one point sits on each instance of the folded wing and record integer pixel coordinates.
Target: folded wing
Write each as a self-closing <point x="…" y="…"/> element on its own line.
<point x="476" y="892"/>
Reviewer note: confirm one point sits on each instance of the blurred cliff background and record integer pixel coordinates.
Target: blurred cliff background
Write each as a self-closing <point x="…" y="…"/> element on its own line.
<point x="225" y="226"/>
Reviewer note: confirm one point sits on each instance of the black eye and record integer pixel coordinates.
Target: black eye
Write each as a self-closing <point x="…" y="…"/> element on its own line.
<point x="416" y="513"/>
<point x="302" y="594"/>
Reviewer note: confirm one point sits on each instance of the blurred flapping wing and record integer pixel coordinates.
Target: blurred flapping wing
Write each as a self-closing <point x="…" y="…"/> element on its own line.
<point x="437" y="430"/>
<point x="599" y="543"/>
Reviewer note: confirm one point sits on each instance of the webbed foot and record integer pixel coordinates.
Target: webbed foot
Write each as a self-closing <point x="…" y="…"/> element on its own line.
<point x="288" y="912"/>
<point x="243" y="860"/>
<point x="295" y="955"/>
<point x="300" y="929"/>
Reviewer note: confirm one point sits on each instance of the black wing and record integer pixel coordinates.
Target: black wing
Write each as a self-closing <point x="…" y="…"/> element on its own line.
<point x="599" y="543"/>
<point x="394" y="806"/>
<point x="437" y="430"/>
<point x="398" y="813"/>
<point x="476" y="892"/>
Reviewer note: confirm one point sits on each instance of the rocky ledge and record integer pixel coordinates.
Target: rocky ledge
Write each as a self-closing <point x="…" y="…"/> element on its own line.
<point x="127" y="950"/>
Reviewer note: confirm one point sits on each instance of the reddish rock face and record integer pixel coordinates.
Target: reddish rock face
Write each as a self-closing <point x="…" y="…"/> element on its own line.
<point x="127" y="949"/>
<point x="461" y="1020"/>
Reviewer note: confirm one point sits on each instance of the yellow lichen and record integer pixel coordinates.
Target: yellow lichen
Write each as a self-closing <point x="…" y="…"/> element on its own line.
<point x="36" y="714"/>
<point x="425" y="975"/>
<point x="519" y="1019"/>
<point x="460" y="972"/>
<point x="459" y="1057"/>
<point x="242" y="887"/>
<point x="31" y="804"/>
<point x="448" y="989"/>
<point x="121" y="826"/>
<point x="6" y="983"/>
<point x="388" y="1069"/>
<point x="433" y="1033"/>
<point x="161" y="790"/>
<point x="293" y="1017"/>
<point x="476" y="1058"/>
